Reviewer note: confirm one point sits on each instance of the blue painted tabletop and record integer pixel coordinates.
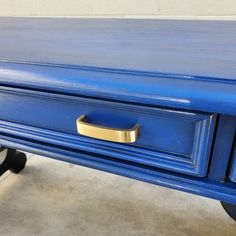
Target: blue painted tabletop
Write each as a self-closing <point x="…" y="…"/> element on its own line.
<point x="176" y="63"/>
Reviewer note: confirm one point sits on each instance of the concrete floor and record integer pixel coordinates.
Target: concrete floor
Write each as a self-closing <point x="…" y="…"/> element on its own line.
<point x="55" y="198"/>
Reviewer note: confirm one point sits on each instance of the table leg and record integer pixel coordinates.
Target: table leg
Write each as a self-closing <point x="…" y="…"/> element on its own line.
<point x="11" y="160"/>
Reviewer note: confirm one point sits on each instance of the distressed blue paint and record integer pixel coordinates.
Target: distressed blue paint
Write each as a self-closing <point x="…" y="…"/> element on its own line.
<point x="170" y="139"/>
<point x="222" y="147"/>
<point x="172" y="77"/>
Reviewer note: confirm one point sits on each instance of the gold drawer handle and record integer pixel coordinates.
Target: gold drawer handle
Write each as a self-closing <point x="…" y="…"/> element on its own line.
<point x="109" y="134"/>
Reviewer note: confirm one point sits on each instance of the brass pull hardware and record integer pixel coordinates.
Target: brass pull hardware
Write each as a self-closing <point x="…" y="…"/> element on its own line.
<point x="104" y="133"/>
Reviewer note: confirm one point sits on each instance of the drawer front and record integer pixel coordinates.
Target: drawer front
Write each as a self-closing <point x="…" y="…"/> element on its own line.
<point x="233" y="168"/>
<point x="169" y="139"/>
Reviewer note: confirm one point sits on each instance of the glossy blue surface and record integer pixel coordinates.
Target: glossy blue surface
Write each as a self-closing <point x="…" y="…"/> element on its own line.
<point x="176" y="78"/>
<point x="185" y="47"/>
<point x="202" y="94"/>
<point x="174" y="140"/>
<point x="180" y="64"/>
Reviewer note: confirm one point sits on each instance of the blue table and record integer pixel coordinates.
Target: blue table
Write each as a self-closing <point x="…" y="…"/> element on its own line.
<point x="153" y="100"/>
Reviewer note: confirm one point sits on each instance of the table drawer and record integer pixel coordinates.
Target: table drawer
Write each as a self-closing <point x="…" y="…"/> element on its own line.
<point x="170" y="139"/>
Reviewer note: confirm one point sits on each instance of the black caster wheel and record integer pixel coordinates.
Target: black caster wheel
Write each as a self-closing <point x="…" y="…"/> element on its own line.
<point x="18" y="162"/>
<point x="230" y="209"/>
<point x="14" y="161"/>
